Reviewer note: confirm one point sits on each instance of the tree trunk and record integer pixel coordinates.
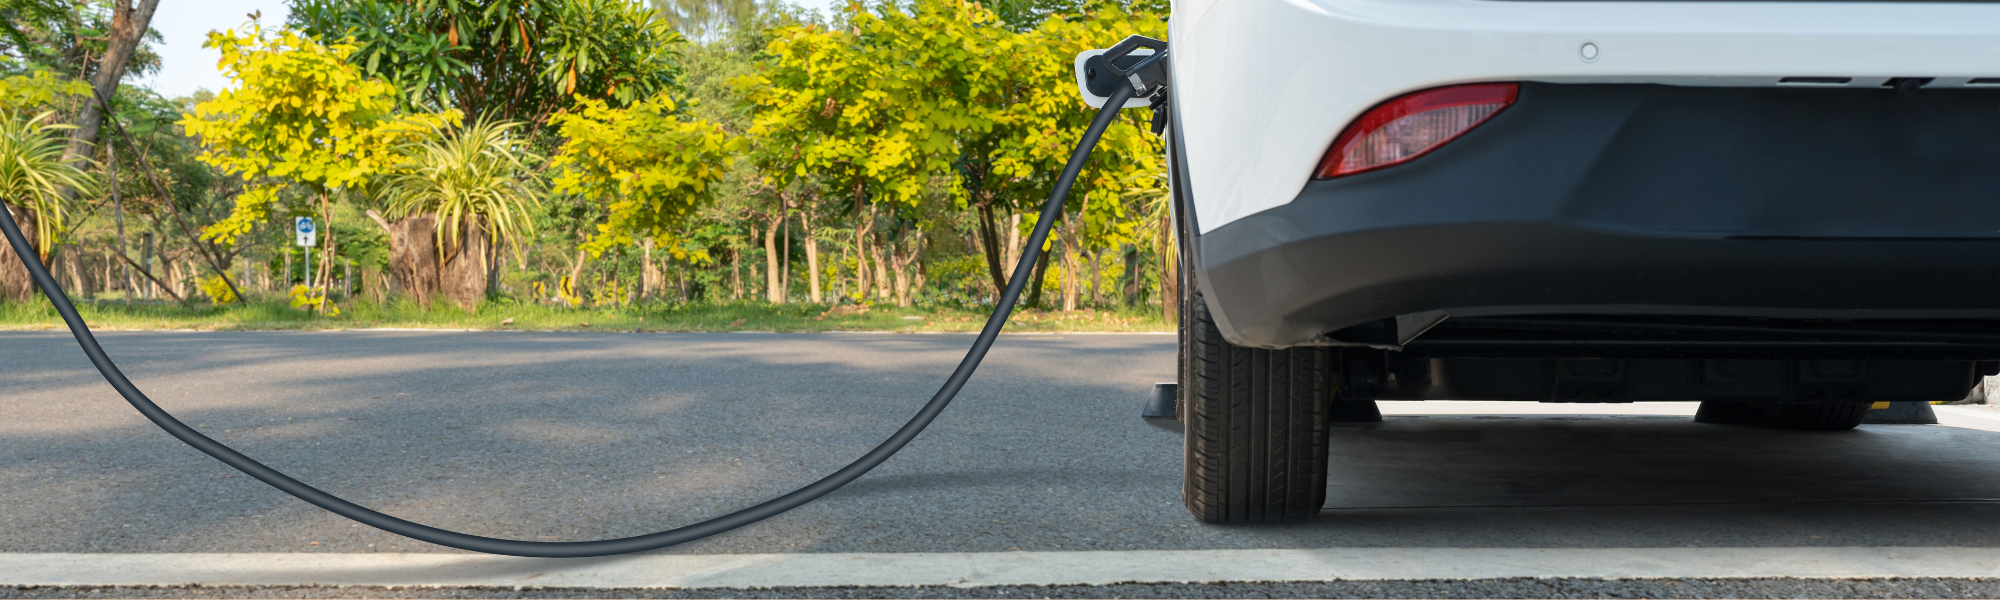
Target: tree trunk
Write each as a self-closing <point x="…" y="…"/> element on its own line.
<point x="493" y="260"/>
<point x="865" y="222"/>
<point x="651" y="283"/>
<point x="374" y="284"/>
<point x="774" y="287"/>
<point x="15" y="285"/>
<point x="881" y="270"/>
<point x="118" y="218"/>
<point x="1015" y="245"/>
<point x="146" y="253"/>
<point x="988" y="234"/>
<point x="325" y="283"/>
<point x="839" y="281"/>
<point x="128" y="26"/>
<point x="812" y="260"/>
<point x="467" y="264"/>
<point x="1072" y="267"/>
<point x="736" y="273"/>
<point x="1096" y="276"/>
<point x="572" y="286"/>
<point x="1035" y="284"/>
<point x="906" y="287"/>
<point x="785" y="251"/>
<point x="413" y="258"/>
<point x="1131" y="277"/>
<point x="75" y="265"/>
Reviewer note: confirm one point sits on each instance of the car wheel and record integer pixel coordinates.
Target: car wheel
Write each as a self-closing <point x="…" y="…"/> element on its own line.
<point x="1823" y="416"/>
<point x="1255" y="422"/>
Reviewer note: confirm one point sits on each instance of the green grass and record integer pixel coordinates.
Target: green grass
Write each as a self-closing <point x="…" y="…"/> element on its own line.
<point x="276" y="314"/>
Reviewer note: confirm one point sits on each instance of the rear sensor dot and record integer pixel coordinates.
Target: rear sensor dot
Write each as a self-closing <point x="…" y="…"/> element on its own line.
<point x="1588" y="52"/>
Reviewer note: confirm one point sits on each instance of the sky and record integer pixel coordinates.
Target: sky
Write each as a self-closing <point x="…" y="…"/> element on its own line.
<point x="185" y="66"/>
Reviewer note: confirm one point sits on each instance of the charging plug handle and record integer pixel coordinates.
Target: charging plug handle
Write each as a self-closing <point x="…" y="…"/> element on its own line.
<point x="1146" y="73"/>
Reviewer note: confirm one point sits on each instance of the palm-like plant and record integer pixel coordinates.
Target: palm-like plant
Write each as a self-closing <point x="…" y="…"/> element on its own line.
<point x="33" y="174"/>
<point x="481" y="170"/>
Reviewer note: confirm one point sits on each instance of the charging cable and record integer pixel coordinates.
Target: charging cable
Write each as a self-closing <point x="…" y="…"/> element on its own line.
<point x="1051" y="212"/>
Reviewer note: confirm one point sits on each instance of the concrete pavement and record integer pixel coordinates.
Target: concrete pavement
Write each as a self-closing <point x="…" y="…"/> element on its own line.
<point x="565" y="436"/>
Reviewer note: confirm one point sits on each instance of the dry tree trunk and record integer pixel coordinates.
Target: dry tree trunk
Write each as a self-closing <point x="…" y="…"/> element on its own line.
<point x="464" y="273"/>
<point x="413" y="258"/>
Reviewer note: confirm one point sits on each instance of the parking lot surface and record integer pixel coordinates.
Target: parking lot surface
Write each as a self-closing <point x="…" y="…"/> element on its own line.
<point x="574" y="436"/>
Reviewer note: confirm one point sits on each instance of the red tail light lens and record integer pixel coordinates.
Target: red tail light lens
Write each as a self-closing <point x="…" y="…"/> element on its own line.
<point x="1407" y="127"/>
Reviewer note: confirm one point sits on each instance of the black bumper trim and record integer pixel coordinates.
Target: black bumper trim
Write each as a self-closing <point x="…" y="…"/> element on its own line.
<point x="1636" y="199"/>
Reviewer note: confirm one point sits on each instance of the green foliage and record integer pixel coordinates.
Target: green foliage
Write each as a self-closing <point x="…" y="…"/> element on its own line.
<point x="39" y="90"/>
<point x="480" y="169"/>
<point x="306" y="299"/>
<point x="65" y="36"/>
<point x="297" y="113"/>
<point x="1047" y="118"/>
<point x="599" y="131"/>
<point x="650" y="165"/>
<point x="33" y="173"/>
<point x="520" y="60"/>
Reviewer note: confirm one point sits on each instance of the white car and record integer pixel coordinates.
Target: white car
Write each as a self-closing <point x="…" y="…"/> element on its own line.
<point x="1787" y="211"/>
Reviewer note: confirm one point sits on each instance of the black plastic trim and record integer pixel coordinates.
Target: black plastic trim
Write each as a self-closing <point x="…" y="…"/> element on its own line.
<point x="1642" y="199"/>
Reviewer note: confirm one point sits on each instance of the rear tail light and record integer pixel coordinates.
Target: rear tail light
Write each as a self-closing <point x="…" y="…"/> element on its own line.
<point x="1405" y="128"/>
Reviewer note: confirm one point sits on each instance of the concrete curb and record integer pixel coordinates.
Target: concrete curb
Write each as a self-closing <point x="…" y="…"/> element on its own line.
<point x="993" y="569"/>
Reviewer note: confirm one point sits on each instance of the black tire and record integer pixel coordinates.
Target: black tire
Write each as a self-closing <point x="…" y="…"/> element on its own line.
<point x="1823" y="416"/>
<point x="1256" y="425"/>
<point x="1729" y="412"/>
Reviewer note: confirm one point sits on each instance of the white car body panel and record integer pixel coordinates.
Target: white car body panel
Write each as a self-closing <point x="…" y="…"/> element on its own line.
<point x="1264" y="86"/>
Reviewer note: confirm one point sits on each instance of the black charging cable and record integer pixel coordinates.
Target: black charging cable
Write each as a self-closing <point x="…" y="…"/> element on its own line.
<point x="1051" y="212"/>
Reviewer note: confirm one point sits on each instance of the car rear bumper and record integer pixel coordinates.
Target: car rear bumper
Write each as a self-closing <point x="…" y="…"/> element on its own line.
<point x="1758" y="203"/>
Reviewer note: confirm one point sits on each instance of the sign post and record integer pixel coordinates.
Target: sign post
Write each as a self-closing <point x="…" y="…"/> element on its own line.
<point x="308" y="236"/>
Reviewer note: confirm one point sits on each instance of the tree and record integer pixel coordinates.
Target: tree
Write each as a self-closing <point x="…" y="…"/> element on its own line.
<point x="70" y="36"/>
<point x="475" y="182"/>
<point x="129" y="23"/>
<point x="297" y="115"/>
<point x="648" y="165"/>
<point x="33" y="176"/>
<point x="520" y="60"/>
<point x="1048" y="118"/>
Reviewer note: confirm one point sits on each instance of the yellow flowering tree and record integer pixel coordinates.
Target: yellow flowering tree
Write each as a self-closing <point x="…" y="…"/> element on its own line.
<point x="299" y="123"/>
<point x="1043" y="124"/>
<point x="648" y="165"/>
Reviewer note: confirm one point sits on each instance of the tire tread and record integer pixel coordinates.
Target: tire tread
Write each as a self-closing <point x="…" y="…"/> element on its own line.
<point x="1256" y="426"/>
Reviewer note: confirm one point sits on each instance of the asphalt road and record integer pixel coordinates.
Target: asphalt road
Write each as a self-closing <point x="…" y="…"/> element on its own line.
<point x="575" y="436"/>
